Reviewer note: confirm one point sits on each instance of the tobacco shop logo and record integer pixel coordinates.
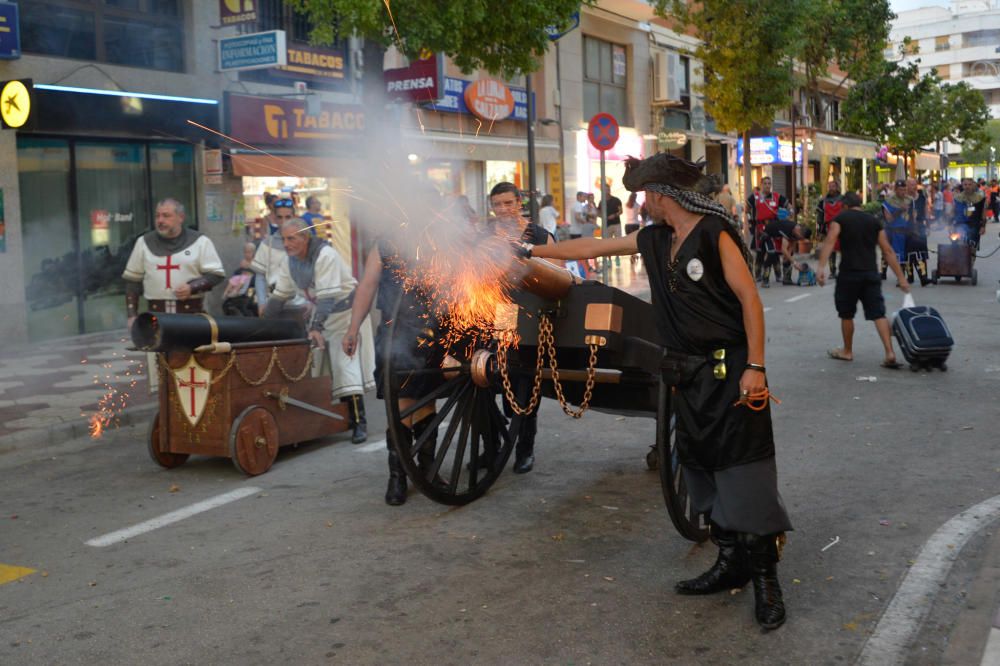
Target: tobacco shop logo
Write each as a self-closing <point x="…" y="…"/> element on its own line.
<point x="293" y="123"/>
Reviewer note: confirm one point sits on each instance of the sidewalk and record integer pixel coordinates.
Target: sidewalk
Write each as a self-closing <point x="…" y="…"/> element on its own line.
<point x="51" y="391"/>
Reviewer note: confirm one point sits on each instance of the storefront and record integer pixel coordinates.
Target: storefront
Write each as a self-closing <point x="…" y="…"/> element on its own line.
<point x="588" y="162"/>
<point x="90" y="172"/>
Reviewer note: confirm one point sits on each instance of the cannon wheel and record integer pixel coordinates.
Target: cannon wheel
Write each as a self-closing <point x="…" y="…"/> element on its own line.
<point x="690" y="524"/>
<point x="156" y="452"/>
<point x="474" y="439"/>
<point x="253" y="441"/>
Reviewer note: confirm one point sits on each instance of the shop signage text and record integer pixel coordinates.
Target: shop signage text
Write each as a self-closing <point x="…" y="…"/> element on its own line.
<point x="489" y="99"/>
<point x="307" y="62"/>
<point x="234" y="12"/>
<point x="260" y="50"/>
<point x="421" y="81"/>
<point x="260" y="120"/>
<point x="453" y="99"/>
<point x="10" y="32"/>
<point x="769" y="150"/>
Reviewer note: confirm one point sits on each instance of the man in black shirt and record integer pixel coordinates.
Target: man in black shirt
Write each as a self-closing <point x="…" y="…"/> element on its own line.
<point x="612" y="225"/>
<point x="859" y="280"/>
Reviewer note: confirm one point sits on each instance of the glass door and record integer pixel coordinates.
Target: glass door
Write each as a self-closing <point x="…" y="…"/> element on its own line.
<point x="50" y="250"/>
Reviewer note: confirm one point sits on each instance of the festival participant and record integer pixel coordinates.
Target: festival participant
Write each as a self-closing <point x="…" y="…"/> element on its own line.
<point x="316" y="272"/>
<point x="917" y="253"/>
<point x="385" y="271"/>
<point x="897" y="209"/>
<point x="859" y="233"/>
<point x="828" y="208"/>
<point x="503" y="200"/>
<point x="762" y="207"/>
<point x="172" y="266"/>
<point x="270" y="253"/>
<point x="968" y="220"/>
<point x="710" y="318"/>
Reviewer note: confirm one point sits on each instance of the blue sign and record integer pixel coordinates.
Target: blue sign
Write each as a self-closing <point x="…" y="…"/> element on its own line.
<point x="454" y="99"/>
<point x="10" y="34"/>
<point x="603" y="131"/>
<point x="553" y="30"/>
<point x="769" y="150"/>
<point x="260" y="50"/>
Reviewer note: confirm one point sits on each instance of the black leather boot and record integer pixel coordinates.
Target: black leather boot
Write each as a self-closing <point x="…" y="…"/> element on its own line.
<point x="764" y="553"/>
<point x="524" y="451"/>
<point x="395" y="493"/>
<point x="425" y="457"/>
<point x="356" y="417"/>
<point x="786" y="273"/>
<point x="731" y="568"/>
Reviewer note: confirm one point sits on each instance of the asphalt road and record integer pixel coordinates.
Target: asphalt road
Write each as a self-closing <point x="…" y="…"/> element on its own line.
<point x="571" y="564"/>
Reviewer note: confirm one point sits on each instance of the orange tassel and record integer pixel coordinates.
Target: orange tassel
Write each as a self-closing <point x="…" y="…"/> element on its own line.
<point x="758" y="400"/>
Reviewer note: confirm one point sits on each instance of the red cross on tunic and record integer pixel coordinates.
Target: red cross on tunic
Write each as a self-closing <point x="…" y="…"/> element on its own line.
<point x="168" y="267"/>
<point x="191" y="385"/>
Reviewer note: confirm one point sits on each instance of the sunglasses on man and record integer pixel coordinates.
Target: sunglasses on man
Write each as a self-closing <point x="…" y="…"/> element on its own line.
<point x="284" y="203"/>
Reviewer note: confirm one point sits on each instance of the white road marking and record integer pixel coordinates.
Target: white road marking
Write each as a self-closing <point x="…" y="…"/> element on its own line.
<point x="380" y="444"/>
<point x="991" y="655"/>
<point x="797" y="298"/>
<point x="912" y="602"/>
<point x="172" y="517"/>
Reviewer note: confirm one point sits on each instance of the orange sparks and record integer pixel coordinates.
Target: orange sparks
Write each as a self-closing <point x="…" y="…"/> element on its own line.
<point x="96" y="426"/>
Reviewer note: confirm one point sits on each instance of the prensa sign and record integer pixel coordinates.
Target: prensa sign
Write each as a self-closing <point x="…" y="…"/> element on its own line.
<point x="420" y="81"/>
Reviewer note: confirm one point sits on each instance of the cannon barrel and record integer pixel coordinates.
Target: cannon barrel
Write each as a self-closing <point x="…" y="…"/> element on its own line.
<point x="543" y="279"/>
<point x="168" y="332"/>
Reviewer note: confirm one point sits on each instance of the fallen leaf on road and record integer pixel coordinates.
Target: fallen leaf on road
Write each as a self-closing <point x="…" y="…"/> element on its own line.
<point x="45" y="574"/>
<point x="92" y="583"/>
<point x="174" y="487"/>
<point x="851" y="626"/>
<point x="329" y="524"/>
<point x="796" y="581"/>
<point x="558" y="537"/>
<point x="610" y="579"/>
<point x="619" y="418"/>
<point x="884" y="523"/>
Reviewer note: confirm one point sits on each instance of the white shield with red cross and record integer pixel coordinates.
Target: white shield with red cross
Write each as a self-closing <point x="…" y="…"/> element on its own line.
<point x="193" y="382"/>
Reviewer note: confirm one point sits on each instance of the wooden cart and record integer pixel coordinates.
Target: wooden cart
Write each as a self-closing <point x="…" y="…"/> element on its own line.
<point x="956" y="260"/>
<point x="243" y="403"/>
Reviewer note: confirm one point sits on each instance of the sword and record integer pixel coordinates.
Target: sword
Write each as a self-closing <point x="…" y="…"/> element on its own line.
<point x="283" y="400"/>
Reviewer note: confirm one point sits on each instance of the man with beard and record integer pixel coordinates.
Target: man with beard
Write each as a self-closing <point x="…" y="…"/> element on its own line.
<point x="270" y="253"/>
<point x="172" y="266"/>
<point x="316" y="272"/>
<point x="828" y="208"/>
<point x="969" y="221"/>
<point x="711" y="321"/>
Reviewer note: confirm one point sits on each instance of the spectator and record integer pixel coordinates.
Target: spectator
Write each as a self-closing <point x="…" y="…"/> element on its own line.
<point x="548" y="216"/>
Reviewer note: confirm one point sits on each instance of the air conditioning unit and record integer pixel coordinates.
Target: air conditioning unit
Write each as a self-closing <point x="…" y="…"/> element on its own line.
<point x="666" y="91"/>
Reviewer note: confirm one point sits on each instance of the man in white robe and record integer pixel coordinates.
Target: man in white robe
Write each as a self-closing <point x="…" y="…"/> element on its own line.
<point x="316" y="272"/>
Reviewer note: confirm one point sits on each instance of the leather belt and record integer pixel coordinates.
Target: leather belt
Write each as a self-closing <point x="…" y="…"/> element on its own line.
<point x="191" y="305"/>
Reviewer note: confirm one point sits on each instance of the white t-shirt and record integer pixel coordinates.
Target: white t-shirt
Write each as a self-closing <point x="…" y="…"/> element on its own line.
<point x="579" y="213"/>
<point x="548" y="217"/>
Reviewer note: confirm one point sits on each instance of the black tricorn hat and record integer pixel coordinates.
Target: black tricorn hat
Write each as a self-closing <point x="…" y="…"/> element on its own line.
<point x="668" y="169"/>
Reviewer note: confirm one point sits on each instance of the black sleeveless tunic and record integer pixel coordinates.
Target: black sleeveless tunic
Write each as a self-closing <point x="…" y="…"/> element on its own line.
<point x="696" y="314"/>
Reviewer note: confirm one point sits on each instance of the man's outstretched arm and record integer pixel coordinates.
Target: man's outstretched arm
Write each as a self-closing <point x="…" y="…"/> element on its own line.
<point x="588" y="248"/>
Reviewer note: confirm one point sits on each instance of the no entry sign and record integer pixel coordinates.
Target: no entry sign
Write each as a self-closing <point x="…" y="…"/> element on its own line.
<point x="603" y="131"/>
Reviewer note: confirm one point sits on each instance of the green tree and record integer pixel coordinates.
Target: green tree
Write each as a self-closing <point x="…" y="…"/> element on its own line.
<point x="978" y="149"/>
<point x="487" y="34"/>
<point x="746" y="52"/>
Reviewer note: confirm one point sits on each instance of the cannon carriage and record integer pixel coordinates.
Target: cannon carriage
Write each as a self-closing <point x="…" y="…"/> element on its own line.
<point x="241" y="398"/>
<point x="588" y="346"/>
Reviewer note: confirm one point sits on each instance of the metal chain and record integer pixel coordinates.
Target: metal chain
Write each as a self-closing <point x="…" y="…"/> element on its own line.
<point x="305" y="369"/>
<point x="274" y="360"/>
<point x="588" y="388"/>
<point x="267" y="372"/>
<point x="508" y="391"/>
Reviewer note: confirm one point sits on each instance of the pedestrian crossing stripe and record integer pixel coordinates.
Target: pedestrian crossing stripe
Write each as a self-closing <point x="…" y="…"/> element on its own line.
<point x="9" y="573"/>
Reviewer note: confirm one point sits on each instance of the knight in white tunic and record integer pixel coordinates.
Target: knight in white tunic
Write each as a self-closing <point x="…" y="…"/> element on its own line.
<point x="316" y="272"/>
<point x="172" y="266"/>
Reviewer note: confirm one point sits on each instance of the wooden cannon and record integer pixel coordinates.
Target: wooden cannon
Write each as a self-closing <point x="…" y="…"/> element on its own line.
<point x="589" y="346"/>
<point x="233" y="387"/>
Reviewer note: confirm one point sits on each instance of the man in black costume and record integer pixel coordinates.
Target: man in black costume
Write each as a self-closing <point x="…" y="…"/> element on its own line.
<point x="711" y="321"/>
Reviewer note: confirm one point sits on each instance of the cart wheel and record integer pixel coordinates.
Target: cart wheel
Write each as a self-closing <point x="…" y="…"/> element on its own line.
<point x="253" y="441"/>
<point x="975" y="277"/>
<point x="689" y="523"/>
<point x="474" y="438"/>
<point x="156" y="452"/>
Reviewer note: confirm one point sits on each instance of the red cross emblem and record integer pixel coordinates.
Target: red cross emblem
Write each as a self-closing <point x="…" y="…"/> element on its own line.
<point x="193" y="382"/>
<point x="168" y="267"/>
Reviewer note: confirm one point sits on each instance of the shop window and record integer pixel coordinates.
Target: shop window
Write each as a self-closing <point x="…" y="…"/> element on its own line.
<point x="605" y="79"/>
<point x="674" y="119"/>
<point x="135" y="33"/>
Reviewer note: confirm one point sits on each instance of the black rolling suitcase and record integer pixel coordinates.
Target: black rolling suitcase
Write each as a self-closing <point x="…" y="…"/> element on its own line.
<point x="923" y="337"/>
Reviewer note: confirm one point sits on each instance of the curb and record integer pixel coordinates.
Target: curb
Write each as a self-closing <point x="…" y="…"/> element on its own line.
<point x="39" y="438"/>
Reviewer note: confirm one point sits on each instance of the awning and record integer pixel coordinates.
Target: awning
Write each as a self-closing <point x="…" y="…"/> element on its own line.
<point x="842" y="146"/>
<point x="304" y="166"/>
<point x="440" y="146"/>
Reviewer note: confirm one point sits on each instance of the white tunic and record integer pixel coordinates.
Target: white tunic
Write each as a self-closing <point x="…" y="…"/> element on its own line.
<point x="161" y="275"/>
<point x="332" y="278"/>
<point x="268" y="257"/>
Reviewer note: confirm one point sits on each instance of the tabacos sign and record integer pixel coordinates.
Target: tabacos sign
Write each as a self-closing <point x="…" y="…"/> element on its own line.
<point x="489" y="99"/>
<point x="285" y="122"/>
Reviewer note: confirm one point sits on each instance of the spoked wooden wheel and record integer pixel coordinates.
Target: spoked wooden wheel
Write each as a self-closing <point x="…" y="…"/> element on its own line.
<point x="154" y="445"/>
<point x="691" y="524"/>
<point x="460" y="451"/>
<point x="253" y="441"/>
